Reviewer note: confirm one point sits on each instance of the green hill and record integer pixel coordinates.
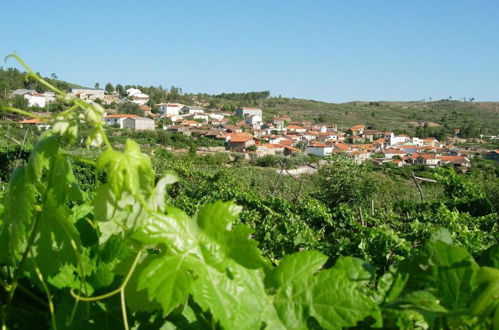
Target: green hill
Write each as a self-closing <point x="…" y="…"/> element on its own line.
<point x="391" y="115"/>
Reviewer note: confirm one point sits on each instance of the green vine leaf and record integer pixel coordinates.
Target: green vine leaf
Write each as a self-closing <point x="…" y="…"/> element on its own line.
<point x="18" y="220"/>
<point x="129" y="171"/>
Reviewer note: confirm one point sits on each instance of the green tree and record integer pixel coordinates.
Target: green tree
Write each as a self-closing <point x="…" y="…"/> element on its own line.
<point x="97" y="85"/>
<point x="20" y="102"/>
<point x="130" y="108"/>
<point x="121" y="90"/>
<point x="109" y="88"/>
<point x="343" y="181"/>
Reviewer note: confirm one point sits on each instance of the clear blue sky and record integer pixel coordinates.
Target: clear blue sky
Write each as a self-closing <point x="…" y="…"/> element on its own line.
<point x="317" y="49"/>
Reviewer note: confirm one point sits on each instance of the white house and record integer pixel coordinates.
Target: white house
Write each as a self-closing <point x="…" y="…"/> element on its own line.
<point x="202" y="116"/>
<point x="390" y="153"/>
<point x="140" y="98"/>
<point x="191" y="109"/>
<point x="170" y="108"/>
<point x="118" y="119"/>
<point x="133" y="91"/>
<point x="399" y="139"/>
<point x="319" y="149"/>
<point x="35" y="99"/>
<point x="247" y="111"/>
<point x="88" y="93"/>
<point x="36" y="122"/>
<point x="138" y="123"/>
<point x="417" y="141"/>
<point x="254" y="120"/>
<point x="296" y="128"/>
<point x="216" y="115"/>
<point x="23" y="91"/>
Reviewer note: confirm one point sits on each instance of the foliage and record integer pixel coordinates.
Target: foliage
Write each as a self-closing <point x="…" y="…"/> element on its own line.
<point x="73" y="261"/>
<point x="130" y="108"/>
<point x="344" y="181"/>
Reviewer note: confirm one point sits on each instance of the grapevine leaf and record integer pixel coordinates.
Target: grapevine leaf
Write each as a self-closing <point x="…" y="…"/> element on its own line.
<point x="243" y="249"/>
<point x="167" y="280"/>
<point x="58" y="237"/>
<point x="356" y="269"/>
<point x="41" y="155"/>
<point x="175" y="229"/>
<point x="330" y="297"/>
<point x="18" y="220"/>
<point x="113" y="215"/>
<point x="448" y="269"/>
<point x="336" y="302"/>
<point x="238" y="301"/>
<point x="297" y="266"/>
<point x="159" y="201"/>
<point x="389" y="287"/>
<point x="62" y="181"/>
<point x="128" y="171"/>
<point x="215" y="220"/>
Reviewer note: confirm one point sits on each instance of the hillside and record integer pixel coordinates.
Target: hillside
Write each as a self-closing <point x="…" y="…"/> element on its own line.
<point x="390" y="115"/>
<point x="483" y="117"/>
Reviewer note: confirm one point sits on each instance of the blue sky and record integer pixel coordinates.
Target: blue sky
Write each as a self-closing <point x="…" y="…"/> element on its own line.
<point x="335" y="51"/>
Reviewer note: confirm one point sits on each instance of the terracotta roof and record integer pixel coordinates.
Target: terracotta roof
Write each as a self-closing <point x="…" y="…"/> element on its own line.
<point x="122" y="116"/>
<point x="145" y="108"/>
<point x="316" y="144"/>
<point x="454" y="159"/>
<point x="342" y="146"/>
<point x="188" y="122"/>
<point x="428" y="156"/>
<point x="30" y="121"/>
<point x="286" y="142"/>
<point x="294" y="127"/>
<point x="292" y="148"/>
<point x="241" y="137"/>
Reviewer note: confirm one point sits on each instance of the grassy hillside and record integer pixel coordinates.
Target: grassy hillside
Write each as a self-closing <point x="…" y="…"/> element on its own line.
<point x="390" y="115"/>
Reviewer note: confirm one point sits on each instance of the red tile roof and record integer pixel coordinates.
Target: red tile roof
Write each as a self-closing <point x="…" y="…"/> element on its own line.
<point x="30" y="121"/>
<point x="122" y="116"/>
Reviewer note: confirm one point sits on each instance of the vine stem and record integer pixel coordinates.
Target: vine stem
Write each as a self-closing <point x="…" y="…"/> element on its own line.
<point x="47" y="292"/>
<point x="23" y="113"/>
<point x="120" y="290"/>
<point x="123" y="309"/>
<point x="34" y="75"/>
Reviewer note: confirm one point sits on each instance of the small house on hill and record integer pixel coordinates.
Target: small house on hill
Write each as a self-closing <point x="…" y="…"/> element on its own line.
<point x="248" y="111"/>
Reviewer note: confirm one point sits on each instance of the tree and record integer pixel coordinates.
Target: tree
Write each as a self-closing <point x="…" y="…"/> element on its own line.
<point x="97" y="85"/>
<point x="109" y="88"/>
<point x="344" y="181"/>
<point x="130" y="108"/>
<point x="20" y="102"/>
<point x="53" y="75"/>
<point x="121" y="90"/>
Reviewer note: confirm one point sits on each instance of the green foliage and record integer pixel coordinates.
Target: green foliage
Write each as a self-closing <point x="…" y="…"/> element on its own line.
<point x="343" y="181"/>
<point x="130" y="108"/>
<point x="66" y="257"/>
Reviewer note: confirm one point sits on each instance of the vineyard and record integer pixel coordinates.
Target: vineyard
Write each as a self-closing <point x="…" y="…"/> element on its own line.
<point x="114" y="237"/>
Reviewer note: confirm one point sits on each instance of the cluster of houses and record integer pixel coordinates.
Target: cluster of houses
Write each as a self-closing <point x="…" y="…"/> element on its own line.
<point x="88" y="94"/>
<point x="245" y="131"/>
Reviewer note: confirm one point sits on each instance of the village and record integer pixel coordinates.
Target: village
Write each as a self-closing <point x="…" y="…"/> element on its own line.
<point x="245" y="131"/>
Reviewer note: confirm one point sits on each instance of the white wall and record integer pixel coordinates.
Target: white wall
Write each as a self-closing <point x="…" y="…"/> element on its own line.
<point x="320" y="151"/>
<point x="34" y="100"/>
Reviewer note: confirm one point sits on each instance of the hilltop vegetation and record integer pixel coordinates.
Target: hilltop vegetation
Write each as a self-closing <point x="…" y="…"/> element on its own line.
<point x="441" y="116"/>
